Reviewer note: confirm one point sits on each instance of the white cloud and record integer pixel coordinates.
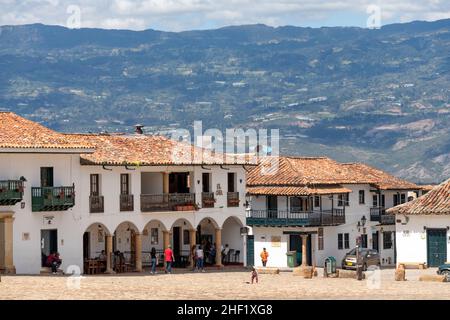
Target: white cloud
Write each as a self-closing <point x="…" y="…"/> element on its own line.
<point x="177" y="15"/>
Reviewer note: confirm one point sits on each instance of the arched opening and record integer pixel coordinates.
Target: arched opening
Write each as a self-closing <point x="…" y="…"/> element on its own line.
<point x="125" y="245"/>
<point x="233" y="240"/>
<point x="153" y="237"/>
<point x="206" y="236"/>
<point x="181" y="242"/>
<point x="94" y="248"/>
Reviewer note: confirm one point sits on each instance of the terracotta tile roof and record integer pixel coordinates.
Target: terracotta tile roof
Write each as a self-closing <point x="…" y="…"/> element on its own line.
<point x="378" y="178"/>
<point x="139" y="149"/>
<point x="427" y="187"/>
<point x="18" y="133"/>
<point x="296" y="191"/>
<point x="313" y="171"/>
<point x="435" y="202"/>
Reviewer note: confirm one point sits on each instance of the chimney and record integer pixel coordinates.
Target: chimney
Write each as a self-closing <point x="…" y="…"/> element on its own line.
<point x="138" y="129"/>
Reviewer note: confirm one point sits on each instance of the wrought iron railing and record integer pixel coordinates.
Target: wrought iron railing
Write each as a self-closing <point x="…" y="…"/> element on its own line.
<point x="52" y="198"/>
<point x="11" y="192"/>
<point x="296" y="218"/>
<point x="208" y="200"/>
<point x="126" y="202"/>
<point x="96" y="204"/>
<point x="233" y="199"/>
<point x="166" y="201"/>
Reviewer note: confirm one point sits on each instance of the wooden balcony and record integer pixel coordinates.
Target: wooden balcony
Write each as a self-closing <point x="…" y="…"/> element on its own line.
<point x="233" y="199"/>
<point x="96" y="204"/>
<point x="52" y="198"/>
<point x="208" y="200"/>
<point x="378" y="214"/>
<point x="167" y="202"/>
<point x="11" y="192"/>
<point x="126" y="202"/>
<point x="279" y="218"/>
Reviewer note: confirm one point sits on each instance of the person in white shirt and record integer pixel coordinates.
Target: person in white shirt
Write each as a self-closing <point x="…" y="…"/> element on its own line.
<point x="200" y="259"/>
<point x="225" y="253"/>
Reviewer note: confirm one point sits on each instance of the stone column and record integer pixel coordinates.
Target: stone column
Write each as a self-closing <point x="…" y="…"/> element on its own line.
<point x="165" y="182"/>
<point x="166" y="239"/>
<point x="138" y="251"/>
<point x="109" y="254"/>
<point x="218" y="247"/>
<point x="304" y="252"/>
<point x="8" y="240"/>
<point x="192" y="241"/>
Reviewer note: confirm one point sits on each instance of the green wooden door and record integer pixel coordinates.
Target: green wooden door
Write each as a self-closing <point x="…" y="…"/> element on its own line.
<point x="250" y="250"/>
<point x="436" y="247"/>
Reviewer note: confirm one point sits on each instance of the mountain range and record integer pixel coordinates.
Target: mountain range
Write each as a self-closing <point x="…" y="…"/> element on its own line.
<point x="380" y="96"/>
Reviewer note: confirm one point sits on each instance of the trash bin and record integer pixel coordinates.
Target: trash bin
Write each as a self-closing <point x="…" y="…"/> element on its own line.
<point x="330" y="265"/>
<point x="291" y="259"/>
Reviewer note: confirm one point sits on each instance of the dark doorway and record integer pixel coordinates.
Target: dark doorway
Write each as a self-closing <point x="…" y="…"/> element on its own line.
<point x="86" y="245"/>
<point x="250" y="250"/>
<point x="46" y="176"/>
<point x="49" y="243"/>
<point x="176" y="241"/>
<point x="375" y="241"/>
<point x="295" y="244"/>
<point x="436" y="247"/>
<point x="179" y="182"/>
<point x="364" y="241"/>
<point x="272" y="206"/>
<point x="231" y="182"/>
<point x="206" y="182"/>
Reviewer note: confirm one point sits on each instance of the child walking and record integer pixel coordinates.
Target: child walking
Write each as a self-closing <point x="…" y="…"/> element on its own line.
<point x="254" y="275"/>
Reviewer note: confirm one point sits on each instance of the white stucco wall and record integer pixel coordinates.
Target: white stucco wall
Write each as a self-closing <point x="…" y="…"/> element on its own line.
<point x="412" y="237"/>
<point x="72" y="224"/>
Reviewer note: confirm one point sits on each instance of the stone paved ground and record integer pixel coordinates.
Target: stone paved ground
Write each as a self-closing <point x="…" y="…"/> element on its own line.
<point x="221" y="285"/>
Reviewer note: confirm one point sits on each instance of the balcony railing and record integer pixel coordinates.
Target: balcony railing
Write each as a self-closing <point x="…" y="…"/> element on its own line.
<point x="290" y="218"/>
<point x="11" y="192"/>
<point x="208" y="200"/>
<point x="52" y="198"/>
<point x="96" y="204"/>
<point x="233" y="199"/>
<point x="126" y="202"/>
<point x="387" y="219"/>
<point x="167" y="201"/>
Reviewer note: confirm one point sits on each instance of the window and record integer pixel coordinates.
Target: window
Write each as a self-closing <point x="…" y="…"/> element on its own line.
<point x="185" y="236"/>
<point x="383" y="200"/>
<point x="296" y="204"/>
<point x="346" y="240"/>
<point x="387" y="240"/>
<point x="47" y="177"/>
<point x="320" y="238"/>
<point x="95" y="188"/>
<point x="340" y="242"/>
<point x="124" y="183"/>
<point x="343" y="200"/>
<point x="231" y="182"/>
<point x="402" y="198"/>
<point x="154" y="236"/>
<point x="374" y="200"/>
<point x="316" y="201"/>
<point x="396" y="200"/>
<point x="362" y="199"/>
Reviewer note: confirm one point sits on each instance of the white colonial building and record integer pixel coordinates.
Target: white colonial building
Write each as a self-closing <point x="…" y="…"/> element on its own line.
<point x="422" y="228"/>
<point x="81" y="194"/>
<point x="317" y="207"/>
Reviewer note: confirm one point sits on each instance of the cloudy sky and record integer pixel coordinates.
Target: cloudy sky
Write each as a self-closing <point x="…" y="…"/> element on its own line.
<point x="177" y="15"/>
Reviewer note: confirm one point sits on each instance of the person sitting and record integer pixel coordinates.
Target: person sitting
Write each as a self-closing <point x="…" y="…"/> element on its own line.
<point x="54" y="261"/>
<point x="102" y="256"/>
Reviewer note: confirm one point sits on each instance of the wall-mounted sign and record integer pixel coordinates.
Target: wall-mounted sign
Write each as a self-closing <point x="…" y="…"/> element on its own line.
<point x="275" y="241"/>
<point x="25" y="236"/>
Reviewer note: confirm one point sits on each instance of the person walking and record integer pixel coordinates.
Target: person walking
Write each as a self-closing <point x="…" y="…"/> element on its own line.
<point x="153" y="259"/>
<point x="194" y="257"/>
<point x="169" y="259"/>
<point x="200" y="259"/>
<point x="264" y="256"/>
<point x="254" y="275"/>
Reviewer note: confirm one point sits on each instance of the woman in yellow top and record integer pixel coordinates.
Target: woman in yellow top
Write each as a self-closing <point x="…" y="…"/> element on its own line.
<point x="264" y="255"/>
